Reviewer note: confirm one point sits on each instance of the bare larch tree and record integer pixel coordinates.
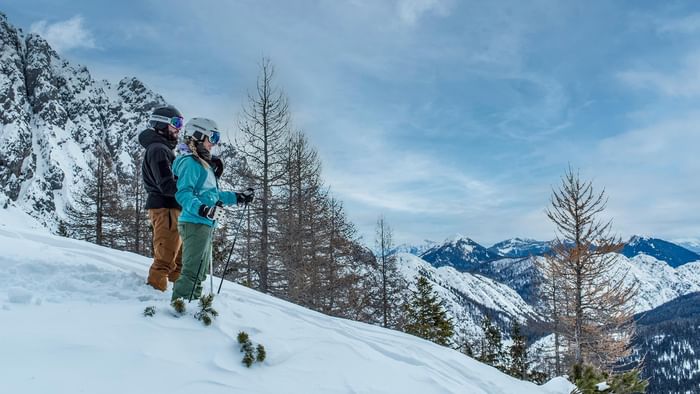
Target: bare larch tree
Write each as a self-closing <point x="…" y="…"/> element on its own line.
<point x="594" y="299"/>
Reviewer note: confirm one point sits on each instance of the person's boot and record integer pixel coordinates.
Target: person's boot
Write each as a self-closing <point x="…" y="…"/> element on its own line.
<point x="157" y="279"/>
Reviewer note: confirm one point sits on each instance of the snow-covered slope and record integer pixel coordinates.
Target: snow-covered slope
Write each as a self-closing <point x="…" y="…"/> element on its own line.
<point x="54" y="117"/>
<point x="690" y="272"/>
<point x="521" y="247"/>
<point x="657" y="281"/>
<point x="71" y="322"/>
<point x="468" y="297"/>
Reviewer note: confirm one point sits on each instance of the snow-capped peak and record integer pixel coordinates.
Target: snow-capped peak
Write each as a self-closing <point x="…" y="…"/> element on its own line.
<point x="54" y="114"/>
<point x="669" y="252"/>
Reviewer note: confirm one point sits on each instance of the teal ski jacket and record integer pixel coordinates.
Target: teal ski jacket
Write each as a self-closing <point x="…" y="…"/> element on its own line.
<point x="197" y="185"/>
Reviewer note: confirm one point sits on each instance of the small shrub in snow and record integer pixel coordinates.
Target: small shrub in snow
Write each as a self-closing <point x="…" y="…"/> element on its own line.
<point x="249" y="357"/>
<point x="243" y="337"/>
<point x="150" y="311"/>
<point x="260" y="353"/>
<point x="179" y="305"/>
<point x="206" y="313"/>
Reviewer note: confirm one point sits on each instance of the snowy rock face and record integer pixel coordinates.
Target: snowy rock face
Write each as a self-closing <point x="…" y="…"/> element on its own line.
<point x="54" y="116"/>
<point x="468" y="297"/>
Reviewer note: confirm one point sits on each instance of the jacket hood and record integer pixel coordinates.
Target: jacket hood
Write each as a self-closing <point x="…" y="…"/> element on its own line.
<point x="150" y="136"/>
<point x="183" y="149"/>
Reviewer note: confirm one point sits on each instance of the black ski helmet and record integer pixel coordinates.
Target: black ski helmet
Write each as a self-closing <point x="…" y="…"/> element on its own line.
<point x="160" y="117"/>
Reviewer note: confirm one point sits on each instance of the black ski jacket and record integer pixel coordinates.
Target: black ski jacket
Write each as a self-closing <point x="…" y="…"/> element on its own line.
<point x="157" y="170"/>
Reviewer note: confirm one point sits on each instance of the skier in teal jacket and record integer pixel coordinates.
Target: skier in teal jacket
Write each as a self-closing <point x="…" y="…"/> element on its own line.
<point x="202" y="203"/>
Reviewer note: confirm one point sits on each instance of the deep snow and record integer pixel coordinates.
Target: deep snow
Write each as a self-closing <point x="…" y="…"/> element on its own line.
<point x="71" y="321"/>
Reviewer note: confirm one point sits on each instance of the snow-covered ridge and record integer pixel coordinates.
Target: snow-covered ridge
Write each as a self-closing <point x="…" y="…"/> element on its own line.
<point x="92" y="297"/>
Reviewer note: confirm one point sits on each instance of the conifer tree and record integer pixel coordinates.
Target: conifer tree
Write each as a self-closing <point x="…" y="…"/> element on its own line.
<point x="264" y="133"/>
<point x="518" y="353"/>
<point x="300" y="216"/>
<point x="425" y="316"/>
<point x="62" y="229"/>
<point x="342" y="272"/>
<point x="589" y="379"/>
<point x="596" y="312"/>
<point x="94" y="215"/>
<point x="237" y="177"/>
<point x="551" y="294"/>
<point x="389" y="283"/>
<point x="134" y="225"/>
<point x="491" y="344"/>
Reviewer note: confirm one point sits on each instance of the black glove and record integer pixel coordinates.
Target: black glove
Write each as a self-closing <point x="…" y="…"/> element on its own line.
<point x="217" y="165"/>
<point x="214" y="213"/>
<point x="245" y="197"/>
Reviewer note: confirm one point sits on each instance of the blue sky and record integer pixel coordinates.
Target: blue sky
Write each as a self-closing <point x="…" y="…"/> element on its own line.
<point x="445" y="116"/>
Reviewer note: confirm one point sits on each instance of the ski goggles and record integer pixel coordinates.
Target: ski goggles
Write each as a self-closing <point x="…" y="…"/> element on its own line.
<point x="175" y="121"/>
<point x="214" y="137"/>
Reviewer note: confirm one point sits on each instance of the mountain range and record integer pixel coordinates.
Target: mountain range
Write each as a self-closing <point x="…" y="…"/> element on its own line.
<point x="666" y="301"/>
<point x="465" y="254"/>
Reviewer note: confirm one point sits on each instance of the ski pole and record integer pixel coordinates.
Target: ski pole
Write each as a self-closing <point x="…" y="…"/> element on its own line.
<point x="211" y="267"/>
<point x="238" y="229"/>
<point x="211" y="276"/>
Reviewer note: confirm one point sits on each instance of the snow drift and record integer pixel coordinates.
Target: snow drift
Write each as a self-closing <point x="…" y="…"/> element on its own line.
<point x="72" y="321"/>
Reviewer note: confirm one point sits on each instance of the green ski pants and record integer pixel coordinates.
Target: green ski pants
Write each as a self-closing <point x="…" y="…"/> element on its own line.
<point x="196" y="257"/>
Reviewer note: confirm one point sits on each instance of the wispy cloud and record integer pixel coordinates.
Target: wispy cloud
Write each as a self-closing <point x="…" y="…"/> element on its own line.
<point x="688" y="24"/>
<point x="65" y="35"/>
<point x="683" y="82"/>
<point x="671" y="142"/>
<point x="649" y="174"/>
<point x="410" y="11"/>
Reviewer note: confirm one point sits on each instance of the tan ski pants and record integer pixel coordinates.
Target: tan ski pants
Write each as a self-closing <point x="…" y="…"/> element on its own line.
<point x="167" y="248"/>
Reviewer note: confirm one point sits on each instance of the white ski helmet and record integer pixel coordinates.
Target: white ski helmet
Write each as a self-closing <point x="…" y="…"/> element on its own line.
<point x="198" y="128"/>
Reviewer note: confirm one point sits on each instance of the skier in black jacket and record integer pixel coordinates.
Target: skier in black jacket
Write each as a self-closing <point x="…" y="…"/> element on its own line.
<point x="159" y="140"/>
